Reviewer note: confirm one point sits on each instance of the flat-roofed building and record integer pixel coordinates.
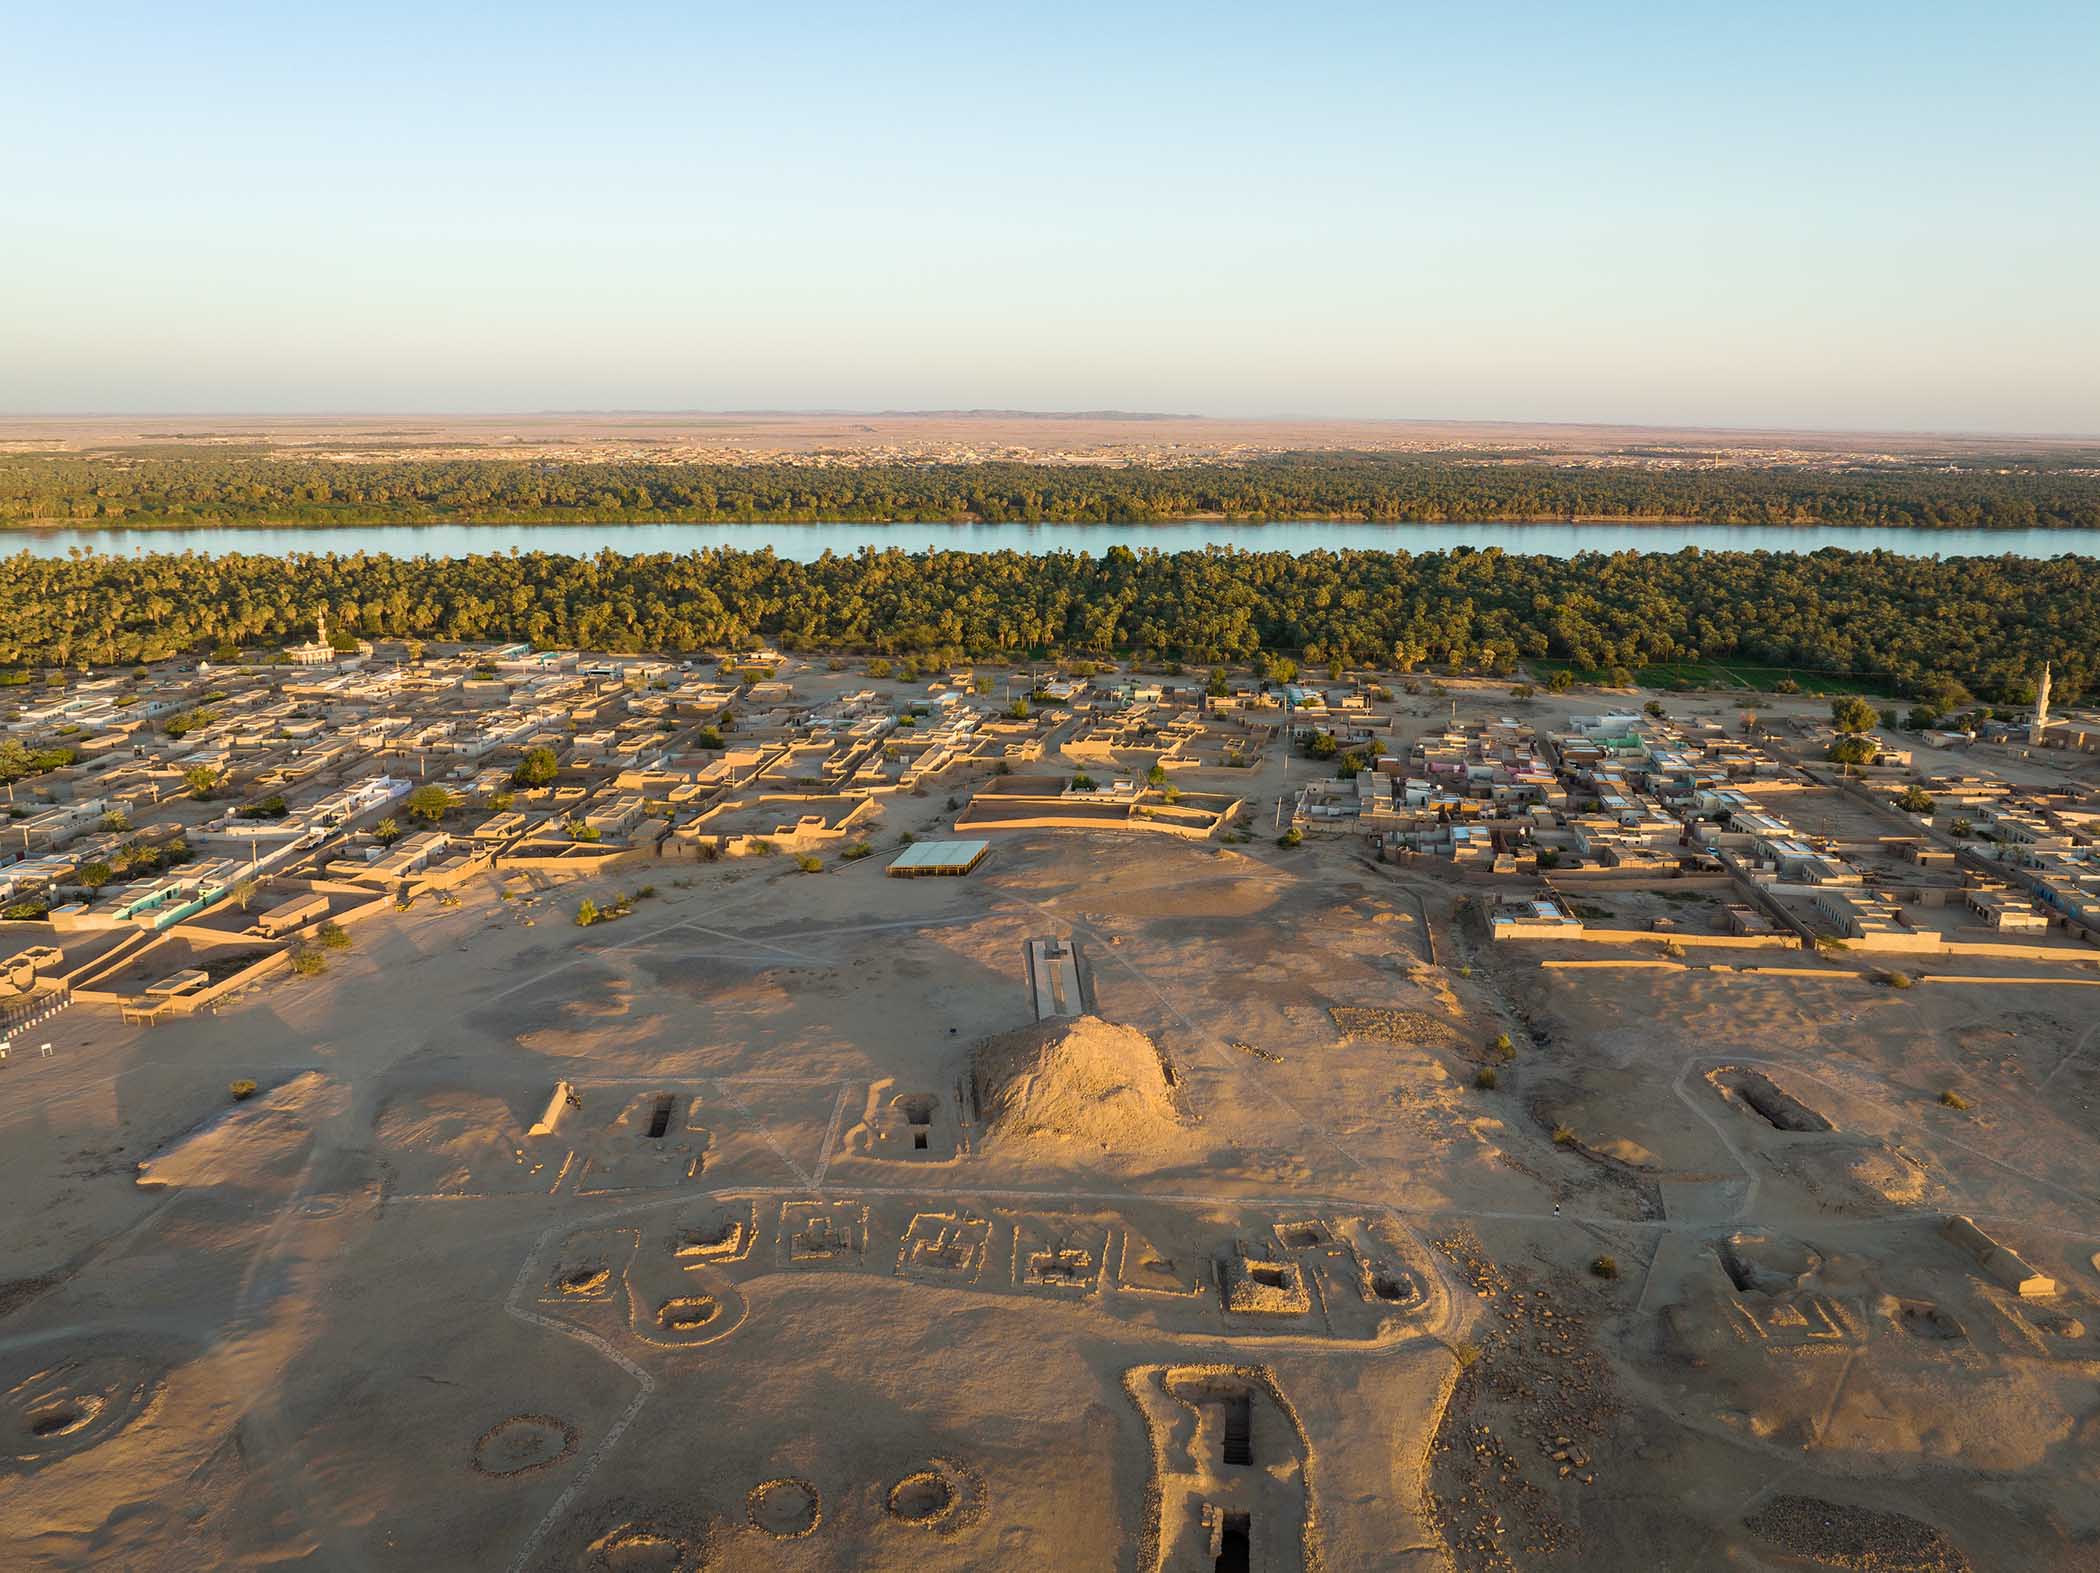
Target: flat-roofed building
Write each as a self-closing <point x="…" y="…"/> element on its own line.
<point x="938" y="857"/>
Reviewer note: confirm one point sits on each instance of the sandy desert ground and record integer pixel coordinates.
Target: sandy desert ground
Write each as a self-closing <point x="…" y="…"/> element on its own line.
<point x="961" y="436"/>
<point x="792" y="1285"/>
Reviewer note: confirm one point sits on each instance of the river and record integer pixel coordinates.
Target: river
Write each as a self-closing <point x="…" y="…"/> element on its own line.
<point x="804" y="542"/>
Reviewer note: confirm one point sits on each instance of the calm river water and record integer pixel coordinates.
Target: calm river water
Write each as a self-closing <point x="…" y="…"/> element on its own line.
<point x="807" y="541"/>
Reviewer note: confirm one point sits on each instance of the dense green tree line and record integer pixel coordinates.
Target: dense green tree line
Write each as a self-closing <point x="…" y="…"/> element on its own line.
<point x="259" y="489"/>
<point x="1986" y="622"/>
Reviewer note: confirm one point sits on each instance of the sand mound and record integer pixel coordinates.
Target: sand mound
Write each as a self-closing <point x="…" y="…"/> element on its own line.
<point x="251" y="1144"/>
<point x="1078" y="1079"/>
<point x="441" y="1142"/>
<point x="1863" y="1179"/>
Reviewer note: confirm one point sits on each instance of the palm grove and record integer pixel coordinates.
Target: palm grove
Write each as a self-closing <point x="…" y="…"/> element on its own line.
<point x="145" y="487"/>
<point x="1918" y="626"/>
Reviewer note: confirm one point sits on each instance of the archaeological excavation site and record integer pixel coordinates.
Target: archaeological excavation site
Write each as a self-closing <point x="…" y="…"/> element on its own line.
<point x="1209" y="1201"/>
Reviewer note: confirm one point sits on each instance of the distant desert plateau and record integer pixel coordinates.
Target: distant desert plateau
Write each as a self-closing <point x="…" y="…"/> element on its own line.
<point x="976" y="436"/>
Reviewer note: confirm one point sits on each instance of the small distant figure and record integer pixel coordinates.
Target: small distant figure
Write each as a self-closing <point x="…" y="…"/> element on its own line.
<point x="1556" y="1209"/>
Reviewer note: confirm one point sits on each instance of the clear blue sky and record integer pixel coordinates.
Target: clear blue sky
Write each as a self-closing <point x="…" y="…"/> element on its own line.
<point x="1857" y="214"/>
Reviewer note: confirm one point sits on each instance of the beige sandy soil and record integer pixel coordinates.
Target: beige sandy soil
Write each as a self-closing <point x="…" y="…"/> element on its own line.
<point x="961" y="436"/>
<point x="368" y="1320"/>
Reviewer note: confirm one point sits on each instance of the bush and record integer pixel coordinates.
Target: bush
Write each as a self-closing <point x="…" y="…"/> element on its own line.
<point x="1291" y="837"/>
<point x="1563" y="1135"/>
<point x="1605" y="1267"/>
<point x="308" y="963"/>
<point x="810" y="865"/>
<point x="1486" y="1079"/>
<point x="586" y="913"/>
<point x="242" y="1090"/>
<point x="643" y="893"/>
<point x="1953" y="1099"/>
<point x="331" y="935"/>
<point x="857" y="851"/>
<point x="1896" y="980"/>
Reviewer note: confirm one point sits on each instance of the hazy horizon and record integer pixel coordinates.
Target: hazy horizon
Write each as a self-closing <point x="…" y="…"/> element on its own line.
<point x="959" y="412"/>
<point x="1599" y="215"/>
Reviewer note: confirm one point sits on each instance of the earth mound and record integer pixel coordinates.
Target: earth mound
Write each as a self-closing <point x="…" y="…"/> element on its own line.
<point x="251" y="1144"/>
<point x="1077" y="1079"/>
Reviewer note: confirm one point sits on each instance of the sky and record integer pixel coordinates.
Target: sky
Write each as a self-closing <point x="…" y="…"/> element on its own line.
<point x="1862" y="215"/>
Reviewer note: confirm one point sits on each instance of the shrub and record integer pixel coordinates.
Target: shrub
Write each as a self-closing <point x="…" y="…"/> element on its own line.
<point x="1466" y="1354"/>
<point x="1896" y="980"/>
<point x="810" y="865"/>
<point x="1486" y="1079"/>
<point x="643" y="893"/>
<point x="242" y="1090"/>
<point x="857" y="851"/>
<point x="586" y="913"/>
<point x="1605" y="1267"/>
<point x="1291" y="837"/>
<point x="1953" y="1099"/>
<point x="331" y="935"/>
<point x="308" y="963"/>
<point x="1563" y="1135"/>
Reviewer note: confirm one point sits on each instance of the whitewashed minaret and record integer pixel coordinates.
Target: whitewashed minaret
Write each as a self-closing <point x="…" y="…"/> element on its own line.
<point x="2040" y="724"/>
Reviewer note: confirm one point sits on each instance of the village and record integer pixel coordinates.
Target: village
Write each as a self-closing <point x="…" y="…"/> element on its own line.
<point x="212" y="824"/>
